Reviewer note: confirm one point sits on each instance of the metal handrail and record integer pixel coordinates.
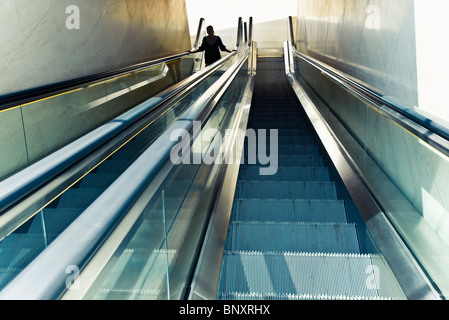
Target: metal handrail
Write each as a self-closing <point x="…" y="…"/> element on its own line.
<point x="431" y="131"/>
<point x="411" y="277"/>
<point x="239" y="32"/>
<point x="196" y="45"/>
<point x="26" y="96"/>
<point x="95" y="223"/>
<point x="19" y="185"/>
<point x="250" y="32"/>
<point x="205" y="279"/>
<point x="25" y="181"/>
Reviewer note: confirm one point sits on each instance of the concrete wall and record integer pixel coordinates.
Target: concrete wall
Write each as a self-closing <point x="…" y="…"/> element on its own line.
<point x="398" y="47"/>
<point x="40" y="42"/>
<point x="372" y="40"/>
<point x="37" y="48"/>
<point x="383" y="43"/>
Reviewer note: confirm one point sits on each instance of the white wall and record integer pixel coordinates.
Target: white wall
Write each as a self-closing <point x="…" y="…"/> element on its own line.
<point x="397" y="46"/>
<point x="37" y="48"/>
<point x="400" y="48"/>
<point x="269" y="18"/>
<point x="432" y="48"/>
<point x="373" y="40"/>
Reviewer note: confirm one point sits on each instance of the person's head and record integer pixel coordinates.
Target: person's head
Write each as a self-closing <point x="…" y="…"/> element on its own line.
<point x="210" y="30"/>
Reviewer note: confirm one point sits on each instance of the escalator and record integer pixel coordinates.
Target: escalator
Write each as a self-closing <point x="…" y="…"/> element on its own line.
<point x="292" y="235"/>
<point x="141" y="225"/>
<point x="55" y="234"/>
<point x="21" y="247"/>
<point x="155" y="259"/>
<point x="296" y="234"/>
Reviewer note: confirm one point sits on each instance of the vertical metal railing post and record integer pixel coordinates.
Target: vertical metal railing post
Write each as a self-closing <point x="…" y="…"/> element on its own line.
<point x="164" y="218"/>
<point x="239" y="34"/>
<point x="245" y="31"/>
<point x="198" y="34"/>
<point x="44" y="229"/>
<point x="252" y="46"/>
<point x="291" y="45"/>
<point x="291" y="34"/>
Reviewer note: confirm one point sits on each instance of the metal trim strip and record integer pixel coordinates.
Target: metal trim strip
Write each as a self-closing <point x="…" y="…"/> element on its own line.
<point x="410" y="276"/>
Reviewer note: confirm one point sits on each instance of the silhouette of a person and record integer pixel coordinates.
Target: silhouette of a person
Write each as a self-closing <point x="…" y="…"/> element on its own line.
<point x="211" y="45"/>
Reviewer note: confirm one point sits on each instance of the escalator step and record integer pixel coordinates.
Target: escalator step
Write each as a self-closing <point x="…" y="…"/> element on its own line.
<point x="113" y="166"/>
<point x="289" y="296"/>
<point x="294" y="140"/>
<point x="310" y="274"/>
<point x="276" y="125"/>
<point x="298" y="149"/>
<point x="7" y="275"/>
<point x="251" y="173"/>
<point x="268" y="100"/>
<point x="284" y="140"/>
<point x="276" y="109"/>
<point x="303" y="149"/>
<point x="78" y="198"/>
<point x="285" y="115"/>
<point x="290" y="236"/>
<point x="290" y="210"/>
<point x="56" y="220"/>
<point x="271" y="64"/>
<point x="139" y="142"/>
<point x="129" y="294"/>
<point x="288" y="161"/>
<point x="298" y="132"/>
<point x="138" y="264"/>
<point x="98" y="180"/>
<point x="126" y="153"/>
<point x="264" y="123"/>
<point x="17" y="250"/>
<point x="286" y="190"/>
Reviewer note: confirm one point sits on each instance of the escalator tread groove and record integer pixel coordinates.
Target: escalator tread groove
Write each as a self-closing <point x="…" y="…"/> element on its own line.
<point x="289" y="235"/>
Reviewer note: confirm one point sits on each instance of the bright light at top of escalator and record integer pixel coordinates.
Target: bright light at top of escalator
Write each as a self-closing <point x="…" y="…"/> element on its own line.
<point x="224" y="14"/>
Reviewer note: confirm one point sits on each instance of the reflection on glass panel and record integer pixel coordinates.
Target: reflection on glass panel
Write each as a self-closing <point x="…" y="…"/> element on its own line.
<point x="51" y="123"/>
<point x="160" y="248"/>
<point x="30" y="239"/>
<point x="407" y="175"/>
<point x="13" y="155"/>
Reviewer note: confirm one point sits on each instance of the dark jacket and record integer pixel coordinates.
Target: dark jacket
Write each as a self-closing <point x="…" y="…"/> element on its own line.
<point x="212" y="52"/>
